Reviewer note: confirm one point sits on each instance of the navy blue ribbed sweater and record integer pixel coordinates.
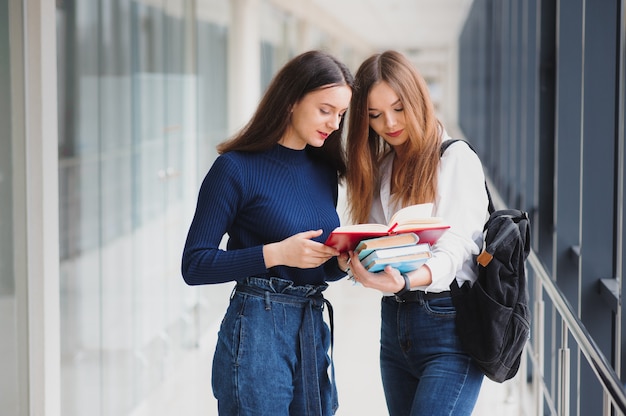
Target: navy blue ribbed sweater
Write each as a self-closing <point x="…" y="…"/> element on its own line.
<point x="259" y="198"/>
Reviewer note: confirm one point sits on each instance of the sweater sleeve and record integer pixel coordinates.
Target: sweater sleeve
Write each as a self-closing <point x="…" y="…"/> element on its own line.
<point x="462" y="202"/>
<point x="221" y="194"/>
<point x="332" y="270"/>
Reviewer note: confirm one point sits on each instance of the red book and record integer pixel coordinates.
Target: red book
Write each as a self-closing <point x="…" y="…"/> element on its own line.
<point x="412" y="219"/>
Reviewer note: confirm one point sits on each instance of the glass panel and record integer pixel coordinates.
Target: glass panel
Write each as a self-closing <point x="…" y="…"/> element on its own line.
<point x="212" y="58"/>
<point x="79" y="198"/>
<point x="116" y="209"/>
<point x="131" y="152"/>
<point x="150" y="164"/>
<point x="127" y="127"/>
<point x="9" y="388"/>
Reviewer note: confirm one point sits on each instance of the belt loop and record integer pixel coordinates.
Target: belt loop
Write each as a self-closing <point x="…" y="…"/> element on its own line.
<point x="399" y="299"/>
<point x="268" y="303"/>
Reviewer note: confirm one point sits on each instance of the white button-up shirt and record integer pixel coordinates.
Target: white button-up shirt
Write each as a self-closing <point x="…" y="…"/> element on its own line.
<point x="461" y="202"/>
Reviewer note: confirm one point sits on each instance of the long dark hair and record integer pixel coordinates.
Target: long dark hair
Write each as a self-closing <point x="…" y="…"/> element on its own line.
<point x="303" y="74"/>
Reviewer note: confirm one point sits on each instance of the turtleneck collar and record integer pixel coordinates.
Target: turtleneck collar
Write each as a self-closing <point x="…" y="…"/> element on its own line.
<point x="289" y="155"/>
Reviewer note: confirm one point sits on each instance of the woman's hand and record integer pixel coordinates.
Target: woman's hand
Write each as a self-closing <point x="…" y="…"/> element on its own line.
<point x="343" y="261"/>
<point x="389" y="280"/>
<point x="299" y="250"/>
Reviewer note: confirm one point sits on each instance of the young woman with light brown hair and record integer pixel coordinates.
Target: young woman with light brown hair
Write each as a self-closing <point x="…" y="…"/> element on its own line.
<point x="394" y="160"/>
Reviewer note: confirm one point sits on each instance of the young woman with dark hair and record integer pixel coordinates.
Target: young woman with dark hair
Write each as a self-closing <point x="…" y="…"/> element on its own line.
<point x="273" y="189"/>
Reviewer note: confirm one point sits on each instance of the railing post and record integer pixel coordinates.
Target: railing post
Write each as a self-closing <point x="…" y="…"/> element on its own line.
<point x="564" y="382"/>
<point x="538" y="347"/>
<point x="606" y="404"/>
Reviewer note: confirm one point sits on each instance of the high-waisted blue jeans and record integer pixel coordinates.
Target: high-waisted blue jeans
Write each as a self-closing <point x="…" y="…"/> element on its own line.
<point x="424" y="369"/>
<point x="272" y="357"/>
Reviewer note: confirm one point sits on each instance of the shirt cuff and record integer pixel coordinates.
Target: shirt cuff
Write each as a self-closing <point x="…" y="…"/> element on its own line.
<point x="439" y="267"/>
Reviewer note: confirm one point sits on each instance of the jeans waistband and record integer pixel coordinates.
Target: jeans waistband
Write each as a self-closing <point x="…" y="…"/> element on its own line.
<point x="283" y="291"/>
<point x="419" y="296"/>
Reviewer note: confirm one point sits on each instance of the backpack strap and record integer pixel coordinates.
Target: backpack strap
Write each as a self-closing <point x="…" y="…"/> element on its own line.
<point x="447" y="144"/>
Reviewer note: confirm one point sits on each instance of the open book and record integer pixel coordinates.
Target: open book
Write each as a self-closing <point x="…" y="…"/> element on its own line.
<point x="412" y="219"/>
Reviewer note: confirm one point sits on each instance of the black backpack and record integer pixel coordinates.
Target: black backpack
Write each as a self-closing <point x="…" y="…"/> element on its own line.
<point x="492" y="315"/>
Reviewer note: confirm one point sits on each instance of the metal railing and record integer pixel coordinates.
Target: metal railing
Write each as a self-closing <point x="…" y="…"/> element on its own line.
<point x="615" y="396"/>
<point x="614" y="392"/>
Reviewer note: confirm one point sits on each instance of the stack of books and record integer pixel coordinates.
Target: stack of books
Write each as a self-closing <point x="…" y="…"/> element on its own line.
<point x="401" y="251"/>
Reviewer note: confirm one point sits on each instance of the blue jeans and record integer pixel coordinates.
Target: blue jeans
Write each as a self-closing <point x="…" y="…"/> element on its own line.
<point x="424" y="369"/>
<point x="271" y="356"/>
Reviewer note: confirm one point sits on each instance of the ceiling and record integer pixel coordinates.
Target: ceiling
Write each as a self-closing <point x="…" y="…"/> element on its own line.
<point x="425" y="30"/>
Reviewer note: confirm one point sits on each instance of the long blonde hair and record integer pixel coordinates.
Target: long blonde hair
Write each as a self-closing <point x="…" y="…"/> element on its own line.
<point x="416" y="178"/>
